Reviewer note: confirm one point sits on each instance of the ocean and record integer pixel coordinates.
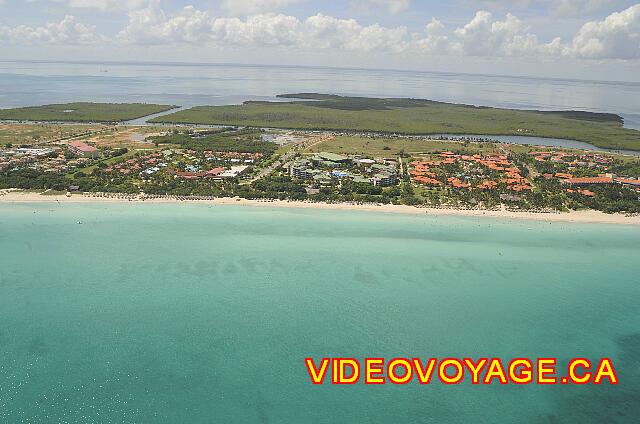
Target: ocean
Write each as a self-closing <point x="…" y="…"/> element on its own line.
<point x="147" y="313"/>
<point x="36" y="83"/>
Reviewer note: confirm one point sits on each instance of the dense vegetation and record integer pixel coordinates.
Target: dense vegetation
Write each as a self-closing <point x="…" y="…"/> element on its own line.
<point x="548" y="194"/>
<point x="83" y="112"/>
<point x="412" y="116"/>
<point x="224" y="140"/>
<point x="29" y="179"/>
<point x="386" y="146"/>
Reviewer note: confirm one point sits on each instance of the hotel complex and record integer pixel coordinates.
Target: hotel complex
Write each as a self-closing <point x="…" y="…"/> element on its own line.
<point x="327" y="168"/>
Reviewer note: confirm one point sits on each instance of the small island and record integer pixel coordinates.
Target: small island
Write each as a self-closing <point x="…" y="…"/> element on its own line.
<point x="84" y="112"/>
<point x="310" y="111"/>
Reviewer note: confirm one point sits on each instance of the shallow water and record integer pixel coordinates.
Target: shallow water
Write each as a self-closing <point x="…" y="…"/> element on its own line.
<point x="192" y="313"/>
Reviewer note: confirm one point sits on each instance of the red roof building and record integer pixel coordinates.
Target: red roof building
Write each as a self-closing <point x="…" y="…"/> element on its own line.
<point x="628" y="181"/>
<point x="590" y="181"/>
<point x="83" y="149"/>
<point x="191" y="175"/>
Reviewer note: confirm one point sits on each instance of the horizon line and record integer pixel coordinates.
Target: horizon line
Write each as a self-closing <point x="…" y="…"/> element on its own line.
<point x="345" y="68"/>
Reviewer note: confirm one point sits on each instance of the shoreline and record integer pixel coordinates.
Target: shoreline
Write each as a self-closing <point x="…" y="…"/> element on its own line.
<point x="584" y="217"/>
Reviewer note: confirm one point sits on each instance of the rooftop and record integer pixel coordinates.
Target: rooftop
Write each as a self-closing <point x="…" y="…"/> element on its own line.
<point x="83" y="147"/>
<point x="332" y="157"/>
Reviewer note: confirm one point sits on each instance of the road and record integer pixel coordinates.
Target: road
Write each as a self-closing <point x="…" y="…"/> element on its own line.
<point x="269" y="169"/>
<point x="288" y="156"/>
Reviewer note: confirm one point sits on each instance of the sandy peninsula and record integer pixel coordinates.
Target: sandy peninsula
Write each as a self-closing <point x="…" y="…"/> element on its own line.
<point x="589" y="216"/>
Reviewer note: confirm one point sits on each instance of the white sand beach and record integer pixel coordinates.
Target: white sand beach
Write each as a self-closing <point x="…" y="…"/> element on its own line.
<point x="589" y="216"/>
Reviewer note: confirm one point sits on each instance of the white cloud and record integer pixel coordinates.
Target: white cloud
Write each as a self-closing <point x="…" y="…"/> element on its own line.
<point x="67" y="31"/>
<point x="107" y="5"/>
<point x="153" y="26"/>
<point x="252" y="7"/>
<point x="393" y="6"/>
<point x="617" y="36"/>
<point x="563" y="8"/>
<point x="436" y="40"/>
<point x="484" y="36"/>
<point x="328" y="32"/>
<point x="580" y="7"/>
<point x="256" y="30"/>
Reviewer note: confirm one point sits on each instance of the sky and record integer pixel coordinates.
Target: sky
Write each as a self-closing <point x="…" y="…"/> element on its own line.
<point x="582" y="39"/>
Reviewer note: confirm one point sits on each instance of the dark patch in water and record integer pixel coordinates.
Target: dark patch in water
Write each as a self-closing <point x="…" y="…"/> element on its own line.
<point x="260" y="410"/>
<point x="462" y="265"/>
<point x="604" y="403"/>
<point x="431" y="269"/>
<point x="206" y="269"/>
<point x="38" y="347"/>
<point x="276" y="265"/>
<point x="630" y="350"/>
<point x="231" y="268"/>
<point x="251" y="264"/>
<point x="163" y="268"/>
<point x="366" y="277"/>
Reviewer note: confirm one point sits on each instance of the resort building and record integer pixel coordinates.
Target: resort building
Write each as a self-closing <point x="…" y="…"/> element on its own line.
<point x="302" y="169"/>
<point x="510" y="198"/>
<point x="191" y="175"/>
<point x="384" y="175"/>
<point x="384" y="179"/>
<point x="366" y="161"/>
<point x="426" y="181"/>
<point x="599" y="180"/>
<point x="331" y="160"/>
<point x="215" y="172"/>
<point x="234" y="172"/>
<point x="628" y="181"/>
<point x="603" y="180"/>
<point x="325" y="168"/>
<point x="83" y="149"/>
<point x="35" y="152"/>
<point x="469" y="171"/>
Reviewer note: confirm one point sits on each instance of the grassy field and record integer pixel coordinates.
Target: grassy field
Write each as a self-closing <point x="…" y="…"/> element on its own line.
<point x="409" y="116"/>
<point x="381" y="147"/>
<point x="18" y="134"/>
<point x="392" y="147"/>
<point x="125" y="136"/>
<point x="83" y="112"/>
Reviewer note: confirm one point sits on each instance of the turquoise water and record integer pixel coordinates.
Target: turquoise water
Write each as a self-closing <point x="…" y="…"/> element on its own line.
<point x="197" y="314"/>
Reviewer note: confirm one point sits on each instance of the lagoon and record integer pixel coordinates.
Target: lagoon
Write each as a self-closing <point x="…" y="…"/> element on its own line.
<point x="539" y="141"/>
<point x="148" y="313"/>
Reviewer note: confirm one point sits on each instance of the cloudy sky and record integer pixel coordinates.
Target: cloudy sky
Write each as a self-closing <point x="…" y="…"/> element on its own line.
<point x="597" y="39"/>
